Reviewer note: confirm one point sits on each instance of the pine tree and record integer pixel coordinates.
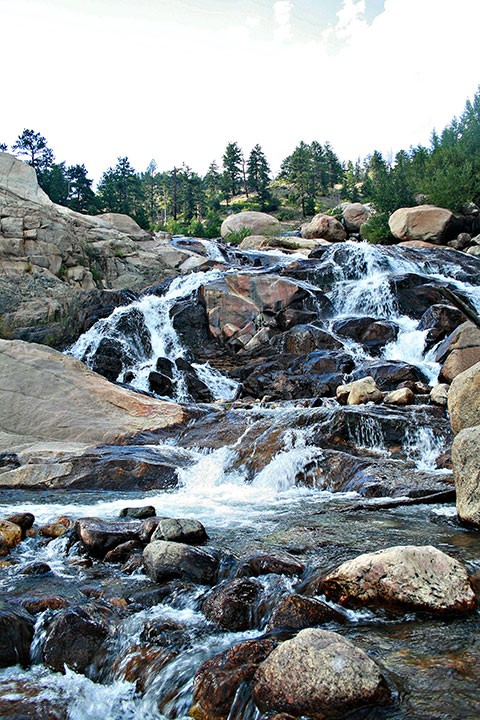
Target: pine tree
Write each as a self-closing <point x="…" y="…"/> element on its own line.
<point x="33" y="146"/>
<point x="259" y="175"/>
<point x="232" y="164"/>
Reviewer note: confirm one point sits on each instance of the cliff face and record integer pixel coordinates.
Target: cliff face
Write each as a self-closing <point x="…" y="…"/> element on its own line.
<point x="51" y="255"/>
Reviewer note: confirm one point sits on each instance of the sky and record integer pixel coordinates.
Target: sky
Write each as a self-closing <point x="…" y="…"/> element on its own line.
<point x="176" y="80"/>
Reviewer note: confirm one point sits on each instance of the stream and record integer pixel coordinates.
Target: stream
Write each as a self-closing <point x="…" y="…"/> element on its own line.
<point x="260" y="476"/>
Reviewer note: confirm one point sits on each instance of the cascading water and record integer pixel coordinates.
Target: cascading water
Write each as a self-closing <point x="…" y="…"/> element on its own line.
<point x="259" y="489"/>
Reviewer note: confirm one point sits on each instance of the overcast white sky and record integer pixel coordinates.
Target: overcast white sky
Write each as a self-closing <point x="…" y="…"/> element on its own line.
<point x="176" y="80"/>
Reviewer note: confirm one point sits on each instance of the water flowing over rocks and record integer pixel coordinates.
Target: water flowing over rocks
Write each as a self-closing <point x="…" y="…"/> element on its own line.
<point x="16" y="632"/>
<point x="255" y="450"/>
<point x="318" y="674"/>
<point x="407" y="577"/>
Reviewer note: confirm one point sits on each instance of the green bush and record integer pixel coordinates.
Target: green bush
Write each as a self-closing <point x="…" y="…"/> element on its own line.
<point x="376" y="230"/>
<point x="235" y="237"/>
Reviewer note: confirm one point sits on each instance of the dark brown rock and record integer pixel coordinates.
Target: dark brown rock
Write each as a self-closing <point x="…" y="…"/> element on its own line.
<point x="218" y="679"/>
<point x="16" y="633"/>
<point x="99" y="537"/>
<point x="231" y="605"/>
<point x="298" y="612"/>
<point x="277" y="563"/>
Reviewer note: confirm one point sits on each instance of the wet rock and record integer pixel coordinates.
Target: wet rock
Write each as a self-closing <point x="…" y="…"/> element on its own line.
<point x="195" y="387"/>
<point x="153" y="595"/>
<point x="122" y="552"/>
<point x="304" y="339"/>
<point x="23" y="520"/>
<point x="217" y="681"/>
<point x="55" y="529"/>
<point x="4" y="549"/>
<point x="138" y="513"/>
<point x="403" y="396"/>
<point x="28" y="699"/>
<point x="139" y="665"/>
<point x="11" y="533"/>
<point x="16" y="633"/>
<point x="298" y="612"/>
<point x="440" y="321"/>
<point x="373" y="334"/>
<point x="168" y="560"/>
<point x="389" y="374"/>
<point x="99" y="537"/>
<point x="359" y="392"/>
<point x="36" y="568"/>
<point x="181" y="530"/>
<point x="77" y="636"/>
<point x="147" y="528"/>
<point x="325" y="227"/>
<point x="231" y="605"/>
<point x="427" y="223"/>
<point x="190" y="322"/>
<point x="464" y="399"/>
<point x="318" y="674"/>
<point x="276" y="563"/>
<point x="165" y="633"/>
<point x="36" y="605"/>
<point x="405" y="577"/>
<point x="466" y="471"/>
<point x="439" y="394"/>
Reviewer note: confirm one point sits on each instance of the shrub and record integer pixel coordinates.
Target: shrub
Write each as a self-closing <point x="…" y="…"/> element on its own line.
<point x="376" y="230"/>
<point x="235" y="237"/>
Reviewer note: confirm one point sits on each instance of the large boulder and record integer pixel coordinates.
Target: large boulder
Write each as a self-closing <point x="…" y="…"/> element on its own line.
<point x="325" y="227"/>
<point x="317" y="674"/>
<point x="459" y="351"/>
<point x="259" y="223"/>
<point x="46" y="396"/>
<point x="406" y="577"/>
<point x="466" y="471"/>
<point x="359" y="391"/>
<point x="125" y="224"/>
<point x="424" y="222"/>
<point x="464" y="399"/>
<point x="354" y="215"/>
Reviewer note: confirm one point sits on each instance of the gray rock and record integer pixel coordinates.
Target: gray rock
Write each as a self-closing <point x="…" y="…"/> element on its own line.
<point x="466" y="471"/>
<point x="168" y="560"/>
<point x="181" y="530"/>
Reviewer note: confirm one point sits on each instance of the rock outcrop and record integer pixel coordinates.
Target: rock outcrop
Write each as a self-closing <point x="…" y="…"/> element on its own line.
<point x="259" y="223"/>
<point x="49" y="254"/>
<point x="426" y="223"/>
<point x="405" y="577"/>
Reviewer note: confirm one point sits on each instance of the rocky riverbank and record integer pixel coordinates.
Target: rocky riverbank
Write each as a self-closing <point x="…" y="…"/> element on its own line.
<point x="234" y="496"/>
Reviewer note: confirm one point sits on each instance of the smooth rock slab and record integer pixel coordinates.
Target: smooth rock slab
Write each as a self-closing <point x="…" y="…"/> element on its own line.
<point x="165" y="560"/>
<point x="406" y="577"/>
<point x="317" y="674"/>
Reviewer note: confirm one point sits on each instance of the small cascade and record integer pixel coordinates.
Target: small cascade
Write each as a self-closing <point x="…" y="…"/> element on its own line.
<point x="162" y="339"/>
<point x="367" y="434"/>
<point x="424" y="448"/>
